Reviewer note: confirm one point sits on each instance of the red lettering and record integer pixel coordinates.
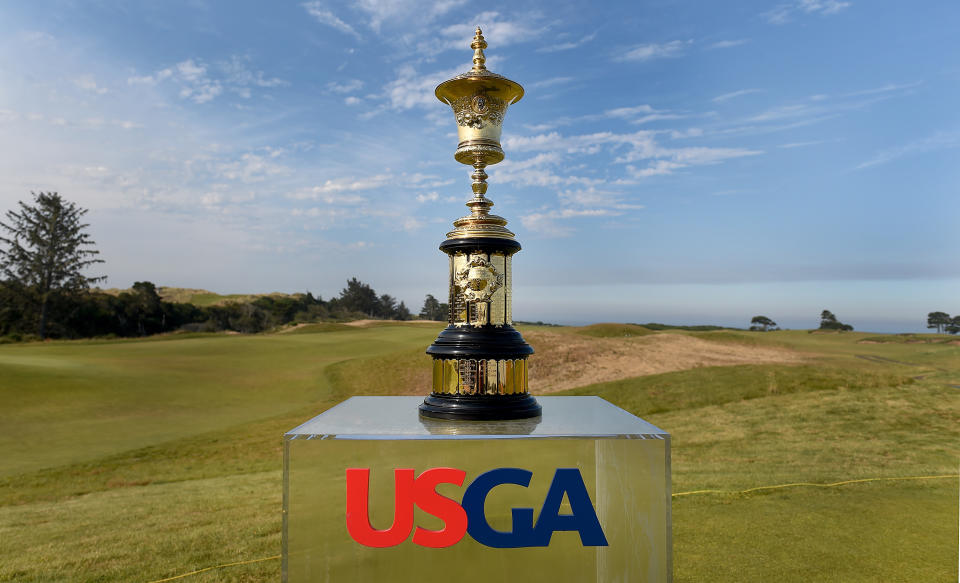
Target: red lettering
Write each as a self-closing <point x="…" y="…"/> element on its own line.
<point x="449" y="511"/>
<point x="358" y="509"/>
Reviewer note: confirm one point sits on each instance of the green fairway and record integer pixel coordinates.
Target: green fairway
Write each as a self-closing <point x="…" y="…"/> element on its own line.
<point x="141" y="460"/>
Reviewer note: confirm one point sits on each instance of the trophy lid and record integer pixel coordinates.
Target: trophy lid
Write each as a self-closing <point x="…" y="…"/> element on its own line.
<point x="479" y="78"/>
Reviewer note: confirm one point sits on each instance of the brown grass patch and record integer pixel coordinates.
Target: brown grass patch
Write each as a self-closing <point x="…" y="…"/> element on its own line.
<point x="565" y="361"/>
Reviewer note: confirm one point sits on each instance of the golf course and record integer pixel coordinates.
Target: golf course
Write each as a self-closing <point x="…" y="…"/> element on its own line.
<point x="796" y="456"/>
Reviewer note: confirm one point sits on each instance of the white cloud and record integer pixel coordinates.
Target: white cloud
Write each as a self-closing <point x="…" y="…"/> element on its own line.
<point x="198" y="83"/>
<point x="428" y="197"/>
<point x="938" y="141"/>
<point x="888" y="88"/>
<point x="784" y="13"/>
<point x="649" y="52"/>
<point x="498" y="32"/>
<point x="549" y="82"/>
<point x="403" y="13"/>
<point x="800" y="144"/>
<point x="325" y="16"/>
<point x="734" y="94"/>
<point x="351" y="100"/>
<point x="348" y="86"/>
<point x="250" y="168"/>
<point x="727" y="44"/>
<point x="566" y="46"/>
<point x="781" y="112"/>
<point x="823" y="6"/>
<point x="657" y="168"/>
<point x="411" y="89"/>
<point x="239" y="77"/>
<point x="628" y="111"/>
<point x="87" y="83"/>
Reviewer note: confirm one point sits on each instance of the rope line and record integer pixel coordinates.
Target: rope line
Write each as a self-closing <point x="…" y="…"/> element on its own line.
<point x="813" y="484"/>
<point x="675" y="494"/>
<point x="273" y="558"/>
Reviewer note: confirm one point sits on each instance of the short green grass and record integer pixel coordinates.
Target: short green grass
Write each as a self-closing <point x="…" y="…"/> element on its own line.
<point x="139" y="460"/>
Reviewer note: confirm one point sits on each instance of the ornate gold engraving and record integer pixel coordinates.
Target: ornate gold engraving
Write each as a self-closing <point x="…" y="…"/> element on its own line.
<point x="480" y="377"/>
<point x="478" y="279"/>
<point x="478" y="111"/>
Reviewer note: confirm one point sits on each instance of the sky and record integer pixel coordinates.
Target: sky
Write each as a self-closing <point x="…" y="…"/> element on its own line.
<point x="671" y="161"/>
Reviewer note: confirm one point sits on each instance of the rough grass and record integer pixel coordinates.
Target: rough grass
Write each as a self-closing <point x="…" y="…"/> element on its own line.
<point x="149" y="459"/>
<point x="613" y="330"/>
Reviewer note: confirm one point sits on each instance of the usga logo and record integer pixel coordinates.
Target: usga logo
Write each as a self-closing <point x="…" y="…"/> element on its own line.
<point x="468" y="516"/>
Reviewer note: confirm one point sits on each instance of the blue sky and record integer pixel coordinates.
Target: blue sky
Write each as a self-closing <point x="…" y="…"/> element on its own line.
<point x="684" y="162"/>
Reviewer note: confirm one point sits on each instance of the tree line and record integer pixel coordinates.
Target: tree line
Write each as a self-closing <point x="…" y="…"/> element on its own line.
<point x="942" y="322"/>
<point x="44" y="292"/>
<point x="828" y="321"/>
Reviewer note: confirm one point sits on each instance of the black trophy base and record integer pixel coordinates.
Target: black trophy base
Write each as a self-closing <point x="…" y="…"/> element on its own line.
<point x="480" y="407"/>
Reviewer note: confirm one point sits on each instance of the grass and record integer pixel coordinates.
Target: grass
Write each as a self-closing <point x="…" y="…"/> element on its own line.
<point x="613" y="330"/>
<point x="139" y="460"/>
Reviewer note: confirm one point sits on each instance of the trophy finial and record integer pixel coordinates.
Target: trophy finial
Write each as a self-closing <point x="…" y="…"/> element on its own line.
<point x="478" y="45"/>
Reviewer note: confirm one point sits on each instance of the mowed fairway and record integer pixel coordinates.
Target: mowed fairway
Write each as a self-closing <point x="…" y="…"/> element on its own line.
<point x="142" y="460"/>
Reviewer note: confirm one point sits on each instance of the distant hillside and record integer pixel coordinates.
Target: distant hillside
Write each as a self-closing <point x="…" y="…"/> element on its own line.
<point x="201" y="297"/>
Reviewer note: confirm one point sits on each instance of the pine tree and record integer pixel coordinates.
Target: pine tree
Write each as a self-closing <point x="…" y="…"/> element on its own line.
<point x="47" y="251"/>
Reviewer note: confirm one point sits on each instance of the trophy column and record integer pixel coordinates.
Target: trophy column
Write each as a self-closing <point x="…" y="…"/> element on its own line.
<point x="480" y="360"/>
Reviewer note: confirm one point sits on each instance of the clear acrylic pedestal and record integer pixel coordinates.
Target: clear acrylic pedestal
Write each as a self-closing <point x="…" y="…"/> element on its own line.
<point x="624" y="463"/>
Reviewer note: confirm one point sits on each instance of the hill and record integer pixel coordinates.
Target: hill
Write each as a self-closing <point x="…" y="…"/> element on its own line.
<point x="201" y="297"/>
<point x="147" y="459"/>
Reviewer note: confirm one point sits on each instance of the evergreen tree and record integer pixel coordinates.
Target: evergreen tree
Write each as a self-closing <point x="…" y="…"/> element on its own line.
<point x="938" y="320"/>
<point x="47" y="250"/>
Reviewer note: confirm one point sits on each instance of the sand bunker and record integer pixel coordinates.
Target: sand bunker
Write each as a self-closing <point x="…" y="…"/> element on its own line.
<point x="564" y="361"/>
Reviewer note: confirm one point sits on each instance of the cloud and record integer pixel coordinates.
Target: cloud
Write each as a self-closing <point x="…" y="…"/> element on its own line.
<point x="545" y="223"/>
<point x="888" y="88"/>
<point x="87" y="83"/>
<point x="348" y="86"/>
<point x="938" y="141"/>
<point x="251" y="168"/>
<point x="649" y="52"/>
<point x="324" y="16"/>
<point x="549" y="82"/>
<point x="239" y="76"/>
<point x="403" y="13"/>
<point x="498" y="31"/>
<point x="412" y="89"/>
<point x="628" y="149"/>
<point x="792" y="145"/>
<point x="201" y="84"/>
<point x="566" y="46"/>
<point x="727" y="44"/>
<point x="734" y="94"/>
<point x="784" y="13"/>
<point x="351" y="100"/>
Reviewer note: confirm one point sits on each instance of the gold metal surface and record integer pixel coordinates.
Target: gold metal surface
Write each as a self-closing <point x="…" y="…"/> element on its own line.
<point x="479" y="99"/>
<point x="498" y="301"/>
<point x="480" y="377"/>
<point x="519" y="376"/>
<point x="490" y="377"/>
<point x="451" y="377"/>
<point x="438" y="376"/>
<point x="508" y="292"/>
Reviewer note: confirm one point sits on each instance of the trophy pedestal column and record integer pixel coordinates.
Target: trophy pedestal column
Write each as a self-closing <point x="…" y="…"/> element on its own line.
<point x="579" y="494"/>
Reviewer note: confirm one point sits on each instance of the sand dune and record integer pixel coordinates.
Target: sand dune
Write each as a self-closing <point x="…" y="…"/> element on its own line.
<point x="564" y="361"/>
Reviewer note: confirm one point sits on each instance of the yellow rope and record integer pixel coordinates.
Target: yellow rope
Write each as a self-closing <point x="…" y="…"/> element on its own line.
<point x="217" y="567"/>
<point x="778" y="486"/>
<point x="675" y="494"/>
